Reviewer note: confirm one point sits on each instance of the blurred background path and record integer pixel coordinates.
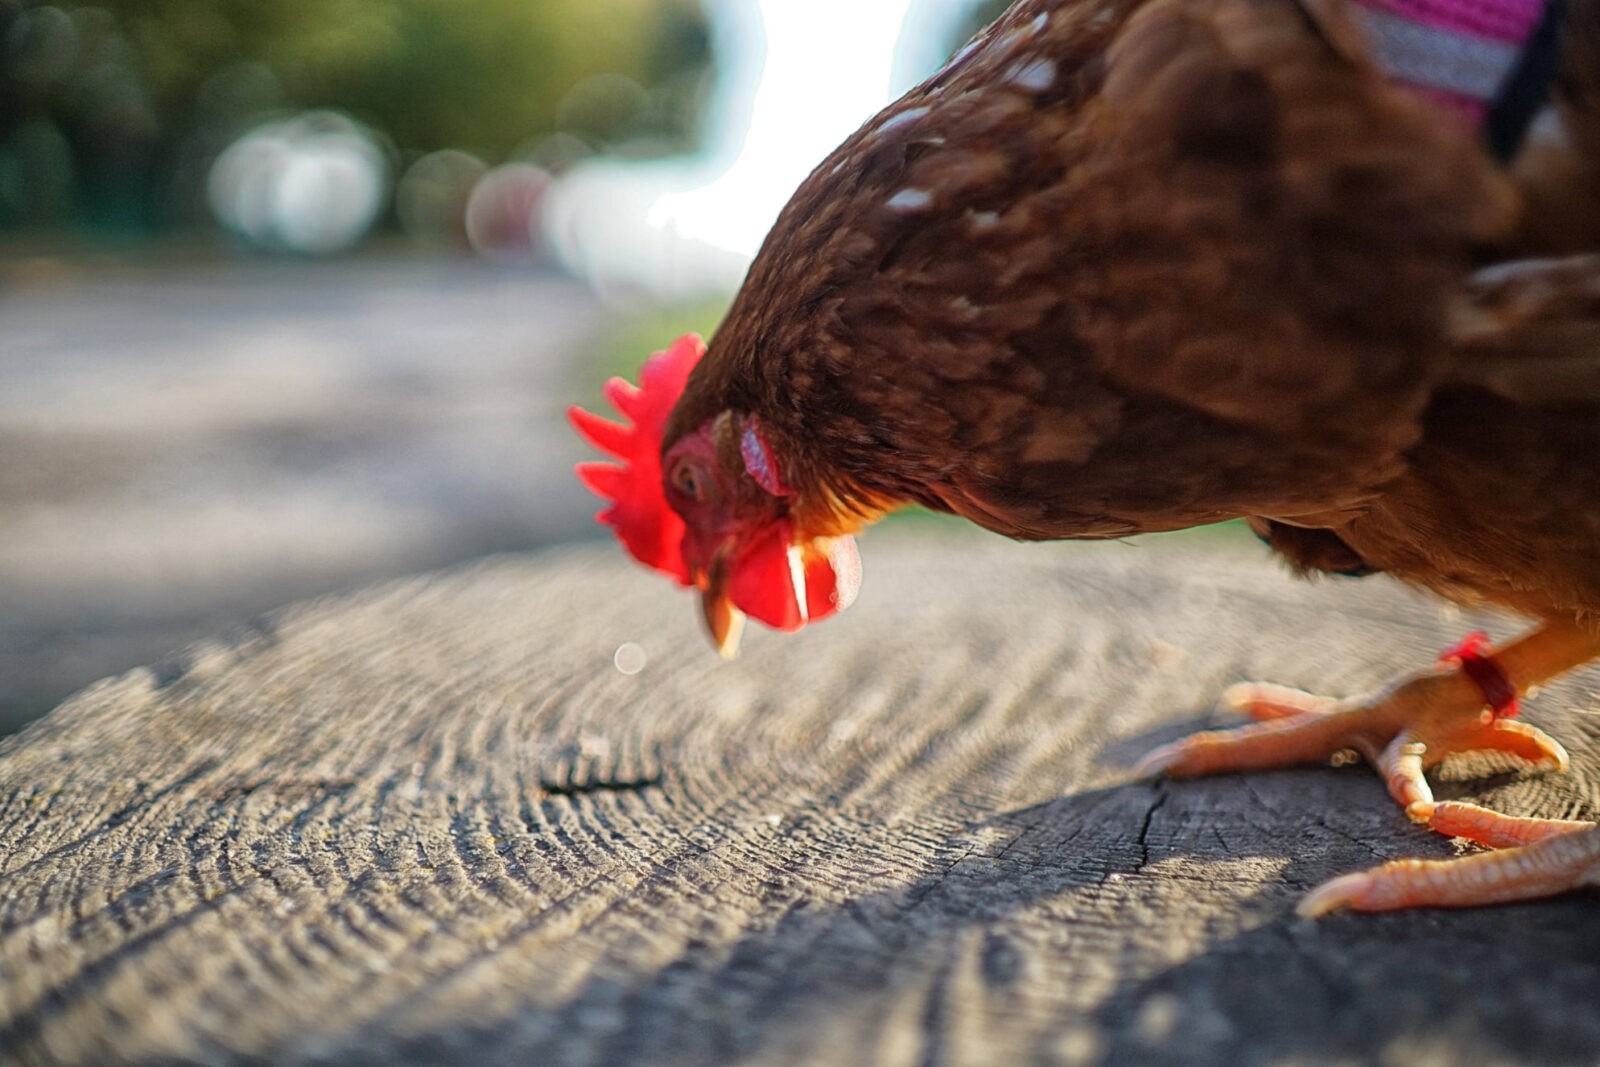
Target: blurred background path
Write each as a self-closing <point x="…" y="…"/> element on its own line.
<point x="292" y="297"/>
<point x="184" y="446"/>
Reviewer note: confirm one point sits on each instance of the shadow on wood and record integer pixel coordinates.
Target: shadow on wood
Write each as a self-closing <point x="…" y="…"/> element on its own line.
<point x="520" y="813"/>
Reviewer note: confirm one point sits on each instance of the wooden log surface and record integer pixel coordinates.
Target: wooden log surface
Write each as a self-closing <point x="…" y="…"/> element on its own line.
<point x="519" y="813"/>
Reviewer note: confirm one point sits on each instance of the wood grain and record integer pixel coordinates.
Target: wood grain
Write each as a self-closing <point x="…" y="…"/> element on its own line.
<point x="433" y="821"/>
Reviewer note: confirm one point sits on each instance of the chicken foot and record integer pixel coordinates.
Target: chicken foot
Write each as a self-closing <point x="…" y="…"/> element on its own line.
<point x="1403" y="730"/>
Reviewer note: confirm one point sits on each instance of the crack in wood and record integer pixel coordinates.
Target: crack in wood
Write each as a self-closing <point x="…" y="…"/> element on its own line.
<point x="1317" y="818"/>
<point x="1161" y="799"/>
<point x="582" y="789"/>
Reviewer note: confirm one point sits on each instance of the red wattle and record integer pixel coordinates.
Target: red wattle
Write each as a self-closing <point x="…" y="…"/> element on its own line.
<point x="762" y="584"/>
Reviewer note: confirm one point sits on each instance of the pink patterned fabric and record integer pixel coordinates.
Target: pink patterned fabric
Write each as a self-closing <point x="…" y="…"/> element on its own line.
<point x="1511" y="21"/>
<point x="1458" y="52"/>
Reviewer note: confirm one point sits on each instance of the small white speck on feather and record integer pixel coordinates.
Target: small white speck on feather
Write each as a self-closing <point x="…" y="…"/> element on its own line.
<point x="909" y="200"/>
<point x="1035" y="76"/>
<point x="966" y="50"/>
<point x="904" y="118"/>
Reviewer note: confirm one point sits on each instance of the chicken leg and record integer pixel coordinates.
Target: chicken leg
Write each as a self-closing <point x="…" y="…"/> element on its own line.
<point x="1403" y="730"/>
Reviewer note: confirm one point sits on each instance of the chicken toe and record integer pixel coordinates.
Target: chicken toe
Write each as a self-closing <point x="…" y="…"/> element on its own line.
<point x="1455" y="818"/>
<point x="1561" y="861"/>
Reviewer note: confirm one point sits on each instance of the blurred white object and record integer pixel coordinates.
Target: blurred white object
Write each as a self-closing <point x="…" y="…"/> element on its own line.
<point x="312" y="184"/>
<point x="794" y="81"/>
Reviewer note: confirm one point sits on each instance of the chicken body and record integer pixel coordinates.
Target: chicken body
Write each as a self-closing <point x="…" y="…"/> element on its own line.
<point x="1143" y="265"/>
<point x="1118" y="268"/>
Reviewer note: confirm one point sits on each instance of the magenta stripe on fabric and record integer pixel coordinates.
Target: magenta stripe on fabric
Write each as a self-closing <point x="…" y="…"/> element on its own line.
<point x="1460" y="53"/>
<point x="1511" y="21"/>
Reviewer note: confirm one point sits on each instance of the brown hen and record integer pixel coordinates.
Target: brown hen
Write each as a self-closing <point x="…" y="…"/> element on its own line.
<point x="1143" y="265"/>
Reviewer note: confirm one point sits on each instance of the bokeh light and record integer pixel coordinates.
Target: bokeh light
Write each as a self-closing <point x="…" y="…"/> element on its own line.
<point x="312" y="184"/>
<point x="601" y="105"/>
<point x="502" y="216"/>
<point x="42" y="46"/>
<point x="431" y="199"/>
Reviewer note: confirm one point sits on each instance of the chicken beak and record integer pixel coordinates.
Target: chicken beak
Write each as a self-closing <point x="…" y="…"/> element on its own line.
<point x="724" y="621"/>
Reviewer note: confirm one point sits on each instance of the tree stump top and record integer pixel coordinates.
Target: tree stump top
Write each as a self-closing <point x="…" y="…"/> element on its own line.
<point x="520" y="813"/>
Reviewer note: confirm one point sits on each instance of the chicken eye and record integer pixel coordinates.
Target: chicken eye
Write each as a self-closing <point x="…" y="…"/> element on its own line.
<point x="687" y="480"/>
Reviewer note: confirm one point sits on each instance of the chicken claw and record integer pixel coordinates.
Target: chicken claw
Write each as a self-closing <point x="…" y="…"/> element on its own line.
<point x="1548" y="857"/>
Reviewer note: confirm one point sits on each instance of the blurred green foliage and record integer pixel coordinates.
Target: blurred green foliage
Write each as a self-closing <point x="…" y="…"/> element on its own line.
<point x="628" y="339"/>
<point x="110" y="111"/>
<point x="481" y="76"/>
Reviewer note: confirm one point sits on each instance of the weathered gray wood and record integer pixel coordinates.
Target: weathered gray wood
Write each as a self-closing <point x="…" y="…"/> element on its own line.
<point x="434" y="822"/>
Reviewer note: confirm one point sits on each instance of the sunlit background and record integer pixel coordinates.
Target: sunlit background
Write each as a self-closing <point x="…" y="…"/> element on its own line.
<point x="292" y="295"/>
<point x="643" y="144"/>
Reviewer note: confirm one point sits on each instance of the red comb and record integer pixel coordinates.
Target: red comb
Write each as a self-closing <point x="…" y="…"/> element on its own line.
<point x="650" y="530"/>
